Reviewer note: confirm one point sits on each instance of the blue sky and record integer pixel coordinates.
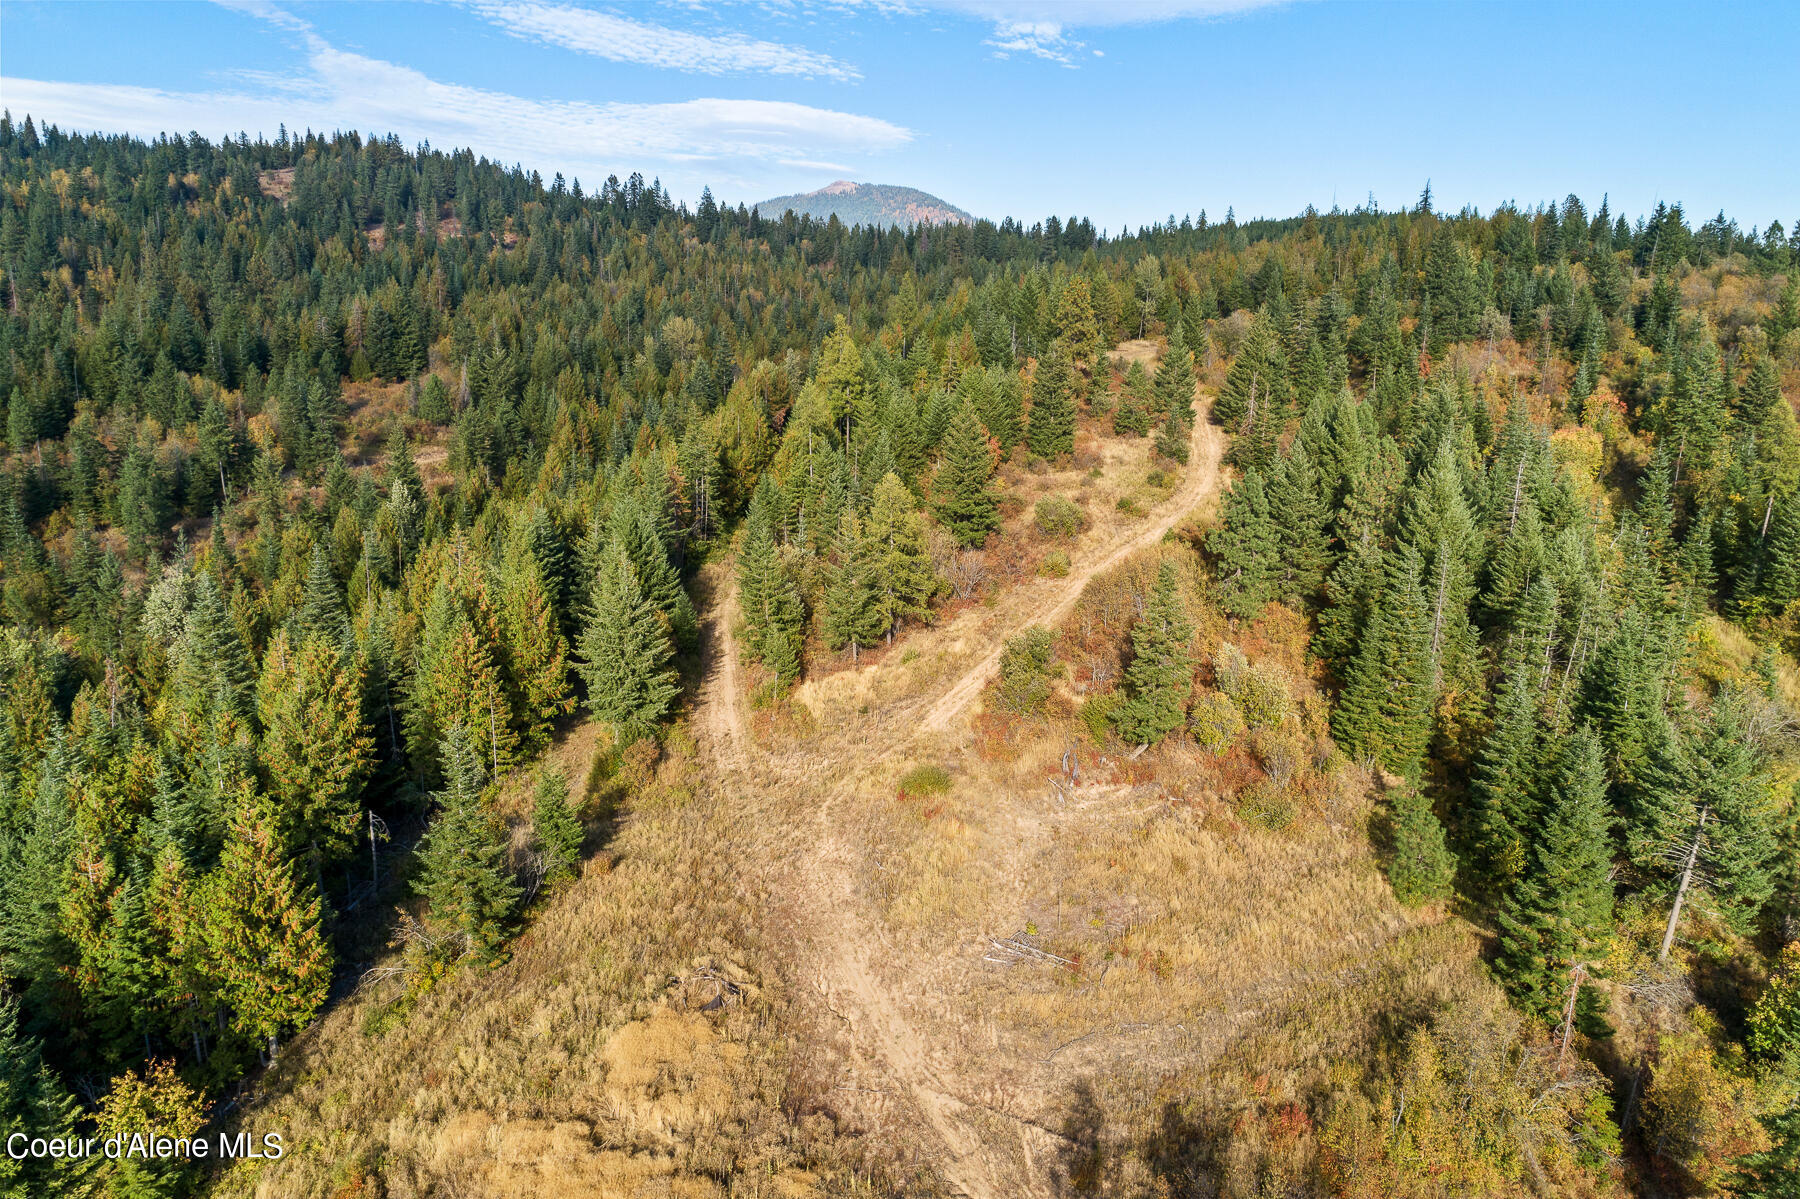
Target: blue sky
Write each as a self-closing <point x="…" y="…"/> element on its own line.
<point x="1125" y="111"/>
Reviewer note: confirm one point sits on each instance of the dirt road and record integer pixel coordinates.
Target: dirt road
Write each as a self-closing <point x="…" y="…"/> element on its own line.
<point x="835" y="932"/>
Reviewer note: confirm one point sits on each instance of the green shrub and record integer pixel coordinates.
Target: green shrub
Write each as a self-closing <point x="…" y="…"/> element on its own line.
<point x="921" y="781"/>
<point x="1129" y="506"/>
<point x="1058" y="516"/>
<point x="1096" y="715"/>
<point x="1261" y="691"/>
<point x="1055" y="565"/>
<point x="1266" y="806"/>
<point x="1216" y="721"/>
<point x="1024" y="682"/>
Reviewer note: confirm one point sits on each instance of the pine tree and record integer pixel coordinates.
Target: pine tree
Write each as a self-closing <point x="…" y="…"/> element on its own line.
<point x="1560" y="912"/>
<point x="315" y="748"/>
<point x="322" y="611"/>
<point x="966" y="505"/>
<point x="1050" y="431"/>
<point x="1255" y="389"/>
<point x="554" y="822"/>
<point x="1162" y="665"/>
<point x="1421" y="868"/>
<point x="265" y="955"/>
<point x="899" y="563"/>
<point x="462" y="863"/>
<point x="1299" y="513"/>
<point x="773" y="612"/>
<point x="625" y="653"/>
<point x="1136" y="398"/>
<point x="1384" y="712"/>
<point x="852" y="611"/>
<point x="1248" y="547"/>
<point x="634" y="527"/>
<point x="538" y="656"/>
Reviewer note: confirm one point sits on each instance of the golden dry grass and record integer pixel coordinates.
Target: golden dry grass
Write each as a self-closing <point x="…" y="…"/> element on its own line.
<point x="586" y="1064"/>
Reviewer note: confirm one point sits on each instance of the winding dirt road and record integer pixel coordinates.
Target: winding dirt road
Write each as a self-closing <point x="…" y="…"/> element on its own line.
<point x="818" y="879"/>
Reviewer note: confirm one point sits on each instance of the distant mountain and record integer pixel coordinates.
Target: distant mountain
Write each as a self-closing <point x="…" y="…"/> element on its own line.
<point x="867" y="204"/>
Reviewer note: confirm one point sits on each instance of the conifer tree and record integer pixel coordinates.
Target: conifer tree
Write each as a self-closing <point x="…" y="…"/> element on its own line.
<point x="1255" y="389"/>
<point x="625" y="654"/>
<point x="462" y="863"/>
<point x="966" y="504"/>
<point x="1248" y="546"/>
<point x="538" y="656"/>
<point x="1560" y="912"/>
<point x="315" y="747"/>
<point x="322" y="612"/>
<point x="1772" y="1173"/>
<point x="853" y="612"/>
<point x="265" y="954"/>
<point x="770" y="600"/>
<point x="1050" y="428"/>
<point x="1162" y="665"/>
<point x="34" y="1102"/>
<point x="634" y="527"/>
<point x="1300" y="517"/>
<point x="899" y="561"/>
<point x="1384" y="713"/>
<point x="1136" y="399"/>
<point x="557" y="827"/>
<point x="1422" y="867"/>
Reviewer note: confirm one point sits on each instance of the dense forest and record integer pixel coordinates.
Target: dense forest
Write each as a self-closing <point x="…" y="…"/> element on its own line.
<point x="336" y="476"/>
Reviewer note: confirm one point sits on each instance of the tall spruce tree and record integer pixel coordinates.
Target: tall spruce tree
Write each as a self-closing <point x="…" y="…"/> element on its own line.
<point x="1248" y="547"/>
<point x="1050" y="427"/>
<point x="462" y="863"/>
<point x="1384" y="713"/>
<point x="626" y="655"/>
<point x="966" y="504"/>
<point x="774" y="614"/>
<point x="853" y="613"/>
<point x="899" y="561"/>
<point x="1162" y="664"/>
<point x="1559" y="913"/>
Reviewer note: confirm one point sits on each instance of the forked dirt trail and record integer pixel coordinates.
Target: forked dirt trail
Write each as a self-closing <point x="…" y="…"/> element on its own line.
<point x="837" y="936"/>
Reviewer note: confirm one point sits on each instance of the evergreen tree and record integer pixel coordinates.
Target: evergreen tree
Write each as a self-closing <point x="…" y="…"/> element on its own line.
<point x="625" y="654"/>
<point x="1772" y="1173"/>
<point x="538" y="656"/>
<point x="1050" y="431"/>
<point x="322" y="611"/>
<point x="1384" y="712"/>
<point x="554" y="822"/>
<point x="462" y="863"/>
<point x="315" y="748"/>
<point x="1421" y="868"/>
<point x="266" y="956"/>
<point x="1248" y="547"/>
<point x="1296" y="507"/>
<point x="1136" y="399"/>
<point x="899" y="561"/>
<point x="773" y="612"/>
<point x="966" y="505"/>
<point x="1255" y="389"/>
<point x="1559" y="913"/>
<point x="634" y="528"/>
<point x="853" y="611"/>
<point x="1162" y="665"/>
<point x="34" y="1103"/>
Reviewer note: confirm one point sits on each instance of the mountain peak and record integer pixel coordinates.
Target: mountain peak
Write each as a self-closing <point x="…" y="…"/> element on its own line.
<point x="853" y="203"/>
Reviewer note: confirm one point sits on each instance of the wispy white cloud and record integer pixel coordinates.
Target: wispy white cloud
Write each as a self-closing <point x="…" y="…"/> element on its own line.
<point x="1045" y="28"/>
<point x="342" y="90"/>
<point x="1042" y="39"/>
<point x="622" y="39"/>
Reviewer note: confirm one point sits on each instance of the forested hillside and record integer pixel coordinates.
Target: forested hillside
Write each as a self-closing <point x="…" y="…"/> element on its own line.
<point x="340" y="481"/>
